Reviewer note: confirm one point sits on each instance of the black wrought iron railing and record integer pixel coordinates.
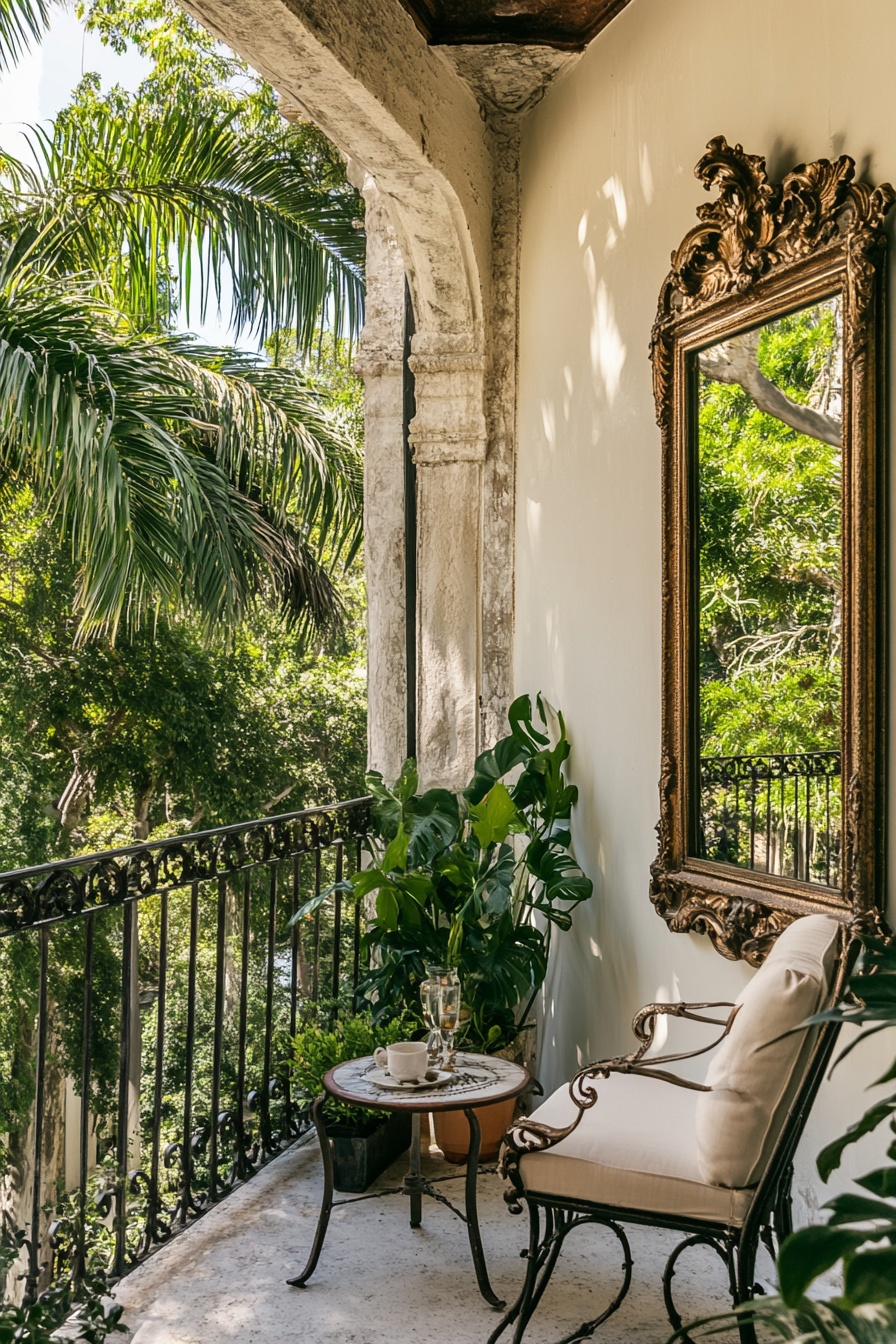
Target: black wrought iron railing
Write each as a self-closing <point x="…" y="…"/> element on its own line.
<point x="776" y="814"/>
<point x="163" y="982"/>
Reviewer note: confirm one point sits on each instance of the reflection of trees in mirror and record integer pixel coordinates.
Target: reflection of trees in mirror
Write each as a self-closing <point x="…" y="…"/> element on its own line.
<point x="770" y="475"/>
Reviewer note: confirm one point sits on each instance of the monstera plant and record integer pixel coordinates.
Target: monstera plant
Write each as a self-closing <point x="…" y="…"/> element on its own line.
<point x="477" y="879"/>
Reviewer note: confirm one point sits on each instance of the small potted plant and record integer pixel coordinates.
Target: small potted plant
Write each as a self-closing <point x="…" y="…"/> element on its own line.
<point x="364" y="1141"/>
<point x="476" y="879"/>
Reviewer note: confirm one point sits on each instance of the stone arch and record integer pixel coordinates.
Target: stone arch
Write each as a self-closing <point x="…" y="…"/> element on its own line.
<point x="364" y="74"/>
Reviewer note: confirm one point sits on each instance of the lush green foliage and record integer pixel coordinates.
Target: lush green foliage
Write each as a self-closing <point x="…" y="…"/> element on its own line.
<point x="454" y="886"/>
<point x="181" y="607"/>
<point x="162" y="730"/>
<point x="181" y="476"/>
<point x="81" y="1310"/>
<point x="316" y="1049"/>
<point x="770" y="517"/>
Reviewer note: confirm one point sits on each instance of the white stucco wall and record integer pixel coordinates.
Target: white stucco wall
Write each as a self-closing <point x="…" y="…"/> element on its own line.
<point x="607" y="192"/>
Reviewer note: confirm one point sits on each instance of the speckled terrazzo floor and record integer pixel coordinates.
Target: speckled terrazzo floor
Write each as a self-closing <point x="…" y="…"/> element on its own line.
<point x="378" y="1282"/>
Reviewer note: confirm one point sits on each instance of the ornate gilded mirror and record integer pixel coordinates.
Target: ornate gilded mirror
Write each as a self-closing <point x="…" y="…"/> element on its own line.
<point x="767" y="354"/>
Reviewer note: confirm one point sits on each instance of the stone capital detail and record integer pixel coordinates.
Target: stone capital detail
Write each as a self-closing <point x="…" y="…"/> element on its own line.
<point x="373" y="363"/>
<point x="449" y="425"/>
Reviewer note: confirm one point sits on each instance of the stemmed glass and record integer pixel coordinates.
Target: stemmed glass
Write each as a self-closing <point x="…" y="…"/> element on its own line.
<point x="440" y="997"/>
<point x="449" y="1013"/>
<point x="430" y="999"/>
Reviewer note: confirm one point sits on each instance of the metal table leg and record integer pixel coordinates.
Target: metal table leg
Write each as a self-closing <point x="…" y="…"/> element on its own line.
<point x="327" y="1202"/>
<point x="471" y="1210"/>
<point x="413" y="1183"/>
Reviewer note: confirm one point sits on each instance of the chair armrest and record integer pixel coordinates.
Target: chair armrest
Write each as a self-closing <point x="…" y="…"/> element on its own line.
<point x="645" y="1020"/>
<point x="533" y="1136"/>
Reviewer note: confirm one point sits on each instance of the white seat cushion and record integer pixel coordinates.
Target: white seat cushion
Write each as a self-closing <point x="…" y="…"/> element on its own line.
<point x="636" y="1149"/>
<point x="755" y="1072"/>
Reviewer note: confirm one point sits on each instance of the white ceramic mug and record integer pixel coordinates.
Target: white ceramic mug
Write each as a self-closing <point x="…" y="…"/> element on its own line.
<point x="405" y="1061"/>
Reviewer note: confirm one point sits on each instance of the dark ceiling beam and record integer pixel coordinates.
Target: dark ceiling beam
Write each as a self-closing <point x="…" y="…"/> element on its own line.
<point x="568" y="25"/>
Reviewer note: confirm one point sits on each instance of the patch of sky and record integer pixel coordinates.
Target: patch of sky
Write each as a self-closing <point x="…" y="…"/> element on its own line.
<point x="42" y="83"/>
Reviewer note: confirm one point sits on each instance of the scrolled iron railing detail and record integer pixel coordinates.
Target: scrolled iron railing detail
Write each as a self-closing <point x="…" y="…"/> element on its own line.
<point x="213" y="981"/>
<point x="785" y="765"/>
<point x="776" y="814"/>
<point x="66" y="889"/>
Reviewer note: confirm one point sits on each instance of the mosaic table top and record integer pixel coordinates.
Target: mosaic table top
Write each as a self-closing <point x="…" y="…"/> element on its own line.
<point x="478" y="1080"/>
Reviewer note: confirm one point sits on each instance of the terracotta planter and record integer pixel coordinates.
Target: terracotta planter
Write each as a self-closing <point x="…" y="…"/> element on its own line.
<point x="453" y="1132"/>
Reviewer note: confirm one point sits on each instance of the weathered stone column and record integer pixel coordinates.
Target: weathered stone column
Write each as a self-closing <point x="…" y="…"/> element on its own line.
<point x="449" y="440"/>
<point x="381" y="365"/>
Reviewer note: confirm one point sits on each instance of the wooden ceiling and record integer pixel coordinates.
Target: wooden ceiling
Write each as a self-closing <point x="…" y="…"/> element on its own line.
<point x="566" y="24"/>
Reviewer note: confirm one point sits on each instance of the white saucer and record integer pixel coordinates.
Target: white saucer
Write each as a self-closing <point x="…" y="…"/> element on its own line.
<point x="385" y="1080"/>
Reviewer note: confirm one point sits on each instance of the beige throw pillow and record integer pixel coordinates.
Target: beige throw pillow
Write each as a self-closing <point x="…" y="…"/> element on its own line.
<point x="753" y="1075"/>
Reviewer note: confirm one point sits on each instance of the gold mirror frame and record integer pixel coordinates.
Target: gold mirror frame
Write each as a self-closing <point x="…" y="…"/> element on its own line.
<point x="761" y="250"/>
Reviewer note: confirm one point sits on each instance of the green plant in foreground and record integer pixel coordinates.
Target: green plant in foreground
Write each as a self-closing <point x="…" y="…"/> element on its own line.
<point x="316" y="1050"/>
<point x="82" y="1308"/>
<point x="861" y="1228"/>
<point x="460" y="879"/>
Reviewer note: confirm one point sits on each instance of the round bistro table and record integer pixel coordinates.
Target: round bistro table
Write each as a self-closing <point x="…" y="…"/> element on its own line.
<point x="479" y="1080"/>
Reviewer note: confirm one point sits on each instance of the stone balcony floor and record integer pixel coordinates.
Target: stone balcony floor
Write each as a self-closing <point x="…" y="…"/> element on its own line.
<point x="379" y="1282"/>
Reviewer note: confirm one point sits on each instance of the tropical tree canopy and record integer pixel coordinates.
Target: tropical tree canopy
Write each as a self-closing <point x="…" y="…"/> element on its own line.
<point x="770" y="485"/>
<point x="182" y="476"/>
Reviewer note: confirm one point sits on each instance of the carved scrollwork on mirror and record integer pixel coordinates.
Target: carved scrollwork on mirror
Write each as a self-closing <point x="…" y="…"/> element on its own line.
<point x="768" y="374"/>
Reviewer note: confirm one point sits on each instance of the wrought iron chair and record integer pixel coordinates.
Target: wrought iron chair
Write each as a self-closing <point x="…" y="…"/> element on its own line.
<point x="702" y="1158"/>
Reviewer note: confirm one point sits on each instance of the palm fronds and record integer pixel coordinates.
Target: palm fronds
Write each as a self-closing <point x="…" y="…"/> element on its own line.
<point x="21" y="22"/>
<point x="188" y="202"/>
<point x="175" y="481"/>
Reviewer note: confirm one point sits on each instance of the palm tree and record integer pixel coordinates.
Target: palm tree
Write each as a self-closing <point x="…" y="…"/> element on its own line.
<point x="183" y="475"/>
<point x="20" y="22"/>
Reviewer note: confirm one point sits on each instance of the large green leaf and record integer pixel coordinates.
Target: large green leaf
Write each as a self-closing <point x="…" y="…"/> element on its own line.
<point x="396" y="854"/>
<point x="881" y="1182"/>
<point x="433" y="823"/>
<point x="830" y="1157"/>
<point x="810" y="1252"/>
<point x="852" y="1208"/>
<point x="519" y="716"/>
<point x="494" y="764"/>
<point x="495" y="817"/>
<point x="870" y="1276"/>
<point x="562" y="878"/>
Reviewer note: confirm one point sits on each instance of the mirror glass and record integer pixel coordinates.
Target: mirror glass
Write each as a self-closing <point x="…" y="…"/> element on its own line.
<point x="768" y="597"/>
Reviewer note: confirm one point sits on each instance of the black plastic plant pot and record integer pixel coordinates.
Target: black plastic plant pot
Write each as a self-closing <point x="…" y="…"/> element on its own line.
<point x="361" y="1153"/>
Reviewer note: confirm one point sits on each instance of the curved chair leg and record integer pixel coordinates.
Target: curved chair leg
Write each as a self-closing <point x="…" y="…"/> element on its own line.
<point x="524" y="1301"/>
<point x="725" y="1251"/>
<point x="323" y="1218"/>
<point x="746" y="1269"/>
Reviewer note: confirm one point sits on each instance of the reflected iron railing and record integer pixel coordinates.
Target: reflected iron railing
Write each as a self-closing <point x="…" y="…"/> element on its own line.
<point x="777" y="814"/>
<point x="167" y="981"/>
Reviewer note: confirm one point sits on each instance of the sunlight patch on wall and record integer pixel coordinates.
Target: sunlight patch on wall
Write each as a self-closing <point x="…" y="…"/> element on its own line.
<point x="646" y="175"/>
<point x="567" y="396"/>
<point x="608" y="350"/>
<point x="549" y="422"/>
<point x="533" y="519"/>
<point x="614" y="191"/>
